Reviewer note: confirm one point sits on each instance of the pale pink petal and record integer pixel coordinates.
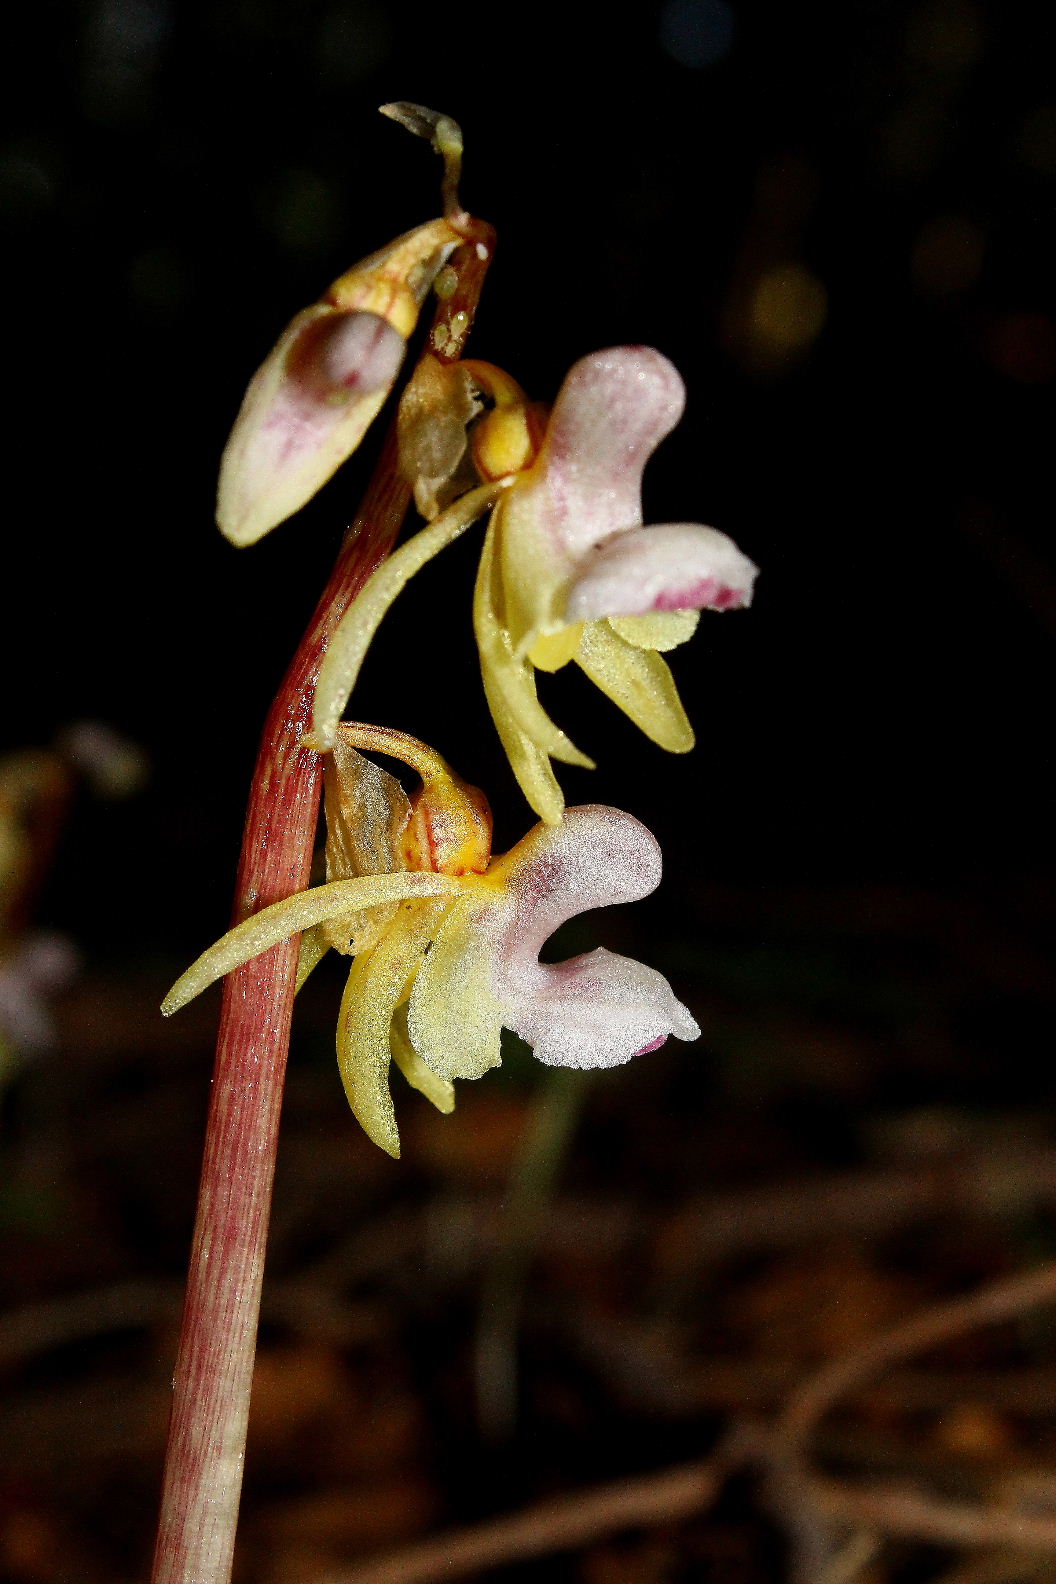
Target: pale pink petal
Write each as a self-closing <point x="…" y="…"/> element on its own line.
<point x="305" y="411"/>
<point x="598" y="1010"/>
<point x="595" y="857"/>
<point x="673" y="566"/>
<point x="611" y="413"/>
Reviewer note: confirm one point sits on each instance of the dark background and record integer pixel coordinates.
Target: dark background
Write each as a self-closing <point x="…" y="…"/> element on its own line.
<point x="179" y="180"/>
<point x="836" y="221"/>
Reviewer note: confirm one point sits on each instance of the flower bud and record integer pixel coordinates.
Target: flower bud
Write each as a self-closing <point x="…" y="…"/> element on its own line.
<point x="314" y="397"/>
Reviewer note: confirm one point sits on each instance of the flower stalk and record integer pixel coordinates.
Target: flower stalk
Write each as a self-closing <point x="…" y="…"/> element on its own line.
<point x="214" y="1367"/>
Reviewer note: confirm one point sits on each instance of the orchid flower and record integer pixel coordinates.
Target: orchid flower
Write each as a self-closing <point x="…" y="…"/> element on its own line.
<point x="568" y="571"/>
<point x="446" y="938"/>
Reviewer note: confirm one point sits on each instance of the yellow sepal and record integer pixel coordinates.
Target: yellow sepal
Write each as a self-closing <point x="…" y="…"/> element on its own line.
<point x="295" y="914"/>
<point x="661" y="630"/>
<point x="639" y="682"/>
<point x="376" y="982"/>
<point x="357" y="627"/>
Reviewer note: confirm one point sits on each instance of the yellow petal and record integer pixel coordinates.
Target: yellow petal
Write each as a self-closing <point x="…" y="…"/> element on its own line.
<point x="556" y="649"/>
<point x="530" y="765"/>
<point x="640" y="682"/>
<point x="528" y="762"/>
<point x="375" y="984"/>
<point x="296" y="913"/>
<point x="454" y="1018"/>
<point x="661" y="630"/>
<point x="357" y="627"/>
<point x="512" y="677"/>
<point x="417" y="1074"/>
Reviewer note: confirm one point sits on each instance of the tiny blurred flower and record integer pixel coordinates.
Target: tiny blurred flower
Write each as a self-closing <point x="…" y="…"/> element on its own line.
<point x="568" y="570"/>
<point x="446" y="938"/>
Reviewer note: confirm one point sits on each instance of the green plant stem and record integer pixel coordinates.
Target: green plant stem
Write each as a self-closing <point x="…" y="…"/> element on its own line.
<point x="214" y="1366"/>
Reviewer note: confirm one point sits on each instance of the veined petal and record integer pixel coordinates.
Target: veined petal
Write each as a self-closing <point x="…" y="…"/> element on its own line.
<point x="454" y="1017"/>
<point x="597" y="1010"/>
<point x="357" y="627"/>
<point x="294" y="914"/>
<point x="367" y="812"/>
<point x="670" y="567"/>
<point x="375" y="984"/>
<point x="639" y="681"/>
<point x="612" y="411"/>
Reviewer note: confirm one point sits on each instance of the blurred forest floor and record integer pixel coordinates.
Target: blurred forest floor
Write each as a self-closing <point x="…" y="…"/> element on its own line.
<point x="572" y="1281"/>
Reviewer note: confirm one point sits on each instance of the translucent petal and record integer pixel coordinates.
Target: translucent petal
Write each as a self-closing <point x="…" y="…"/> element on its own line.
<point x="417" y="1074"/>
<point x="357" y="627"/>
<point x="662" y="630"/>
<point x="296" y="913"/>
<point x="454" y="1017"/>
<point x="597" y="1010"/>
<point x="375" y="984"/>
<point x="670" y="567"/>
<point x="367" y="812"/>
<point x="640" y="682"/>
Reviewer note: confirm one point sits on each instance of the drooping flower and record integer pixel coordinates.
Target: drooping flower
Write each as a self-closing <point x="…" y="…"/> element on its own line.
<point x="446" y="938"/>
<point x="568" y="571"/>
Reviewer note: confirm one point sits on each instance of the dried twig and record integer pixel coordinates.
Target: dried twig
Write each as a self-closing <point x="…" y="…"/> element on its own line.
<point x="552" y="1526"/>
<point x="1002" y="1300"/>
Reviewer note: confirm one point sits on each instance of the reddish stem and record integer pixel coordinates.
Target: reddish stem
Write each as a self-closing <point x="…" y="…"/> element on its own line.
<point x="214" y="1366"/>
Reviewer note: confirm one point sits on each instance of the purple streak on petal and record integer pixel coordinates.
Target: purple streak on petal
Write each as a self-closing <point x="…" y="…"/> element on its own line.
<point x="674" y="566"/>
<point x="344" y="354"/>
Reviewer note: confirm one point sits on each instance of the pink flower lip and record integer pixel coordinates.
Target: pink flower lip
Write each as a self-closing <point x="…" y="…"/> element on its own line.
<point x="655" y="1044"/>
<point x="707" y="594"/>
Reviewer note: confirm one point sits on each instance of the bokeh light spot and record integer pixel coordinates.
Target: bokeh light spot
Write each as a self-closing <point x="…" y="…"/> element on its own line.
<point x="788" y="309"/>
